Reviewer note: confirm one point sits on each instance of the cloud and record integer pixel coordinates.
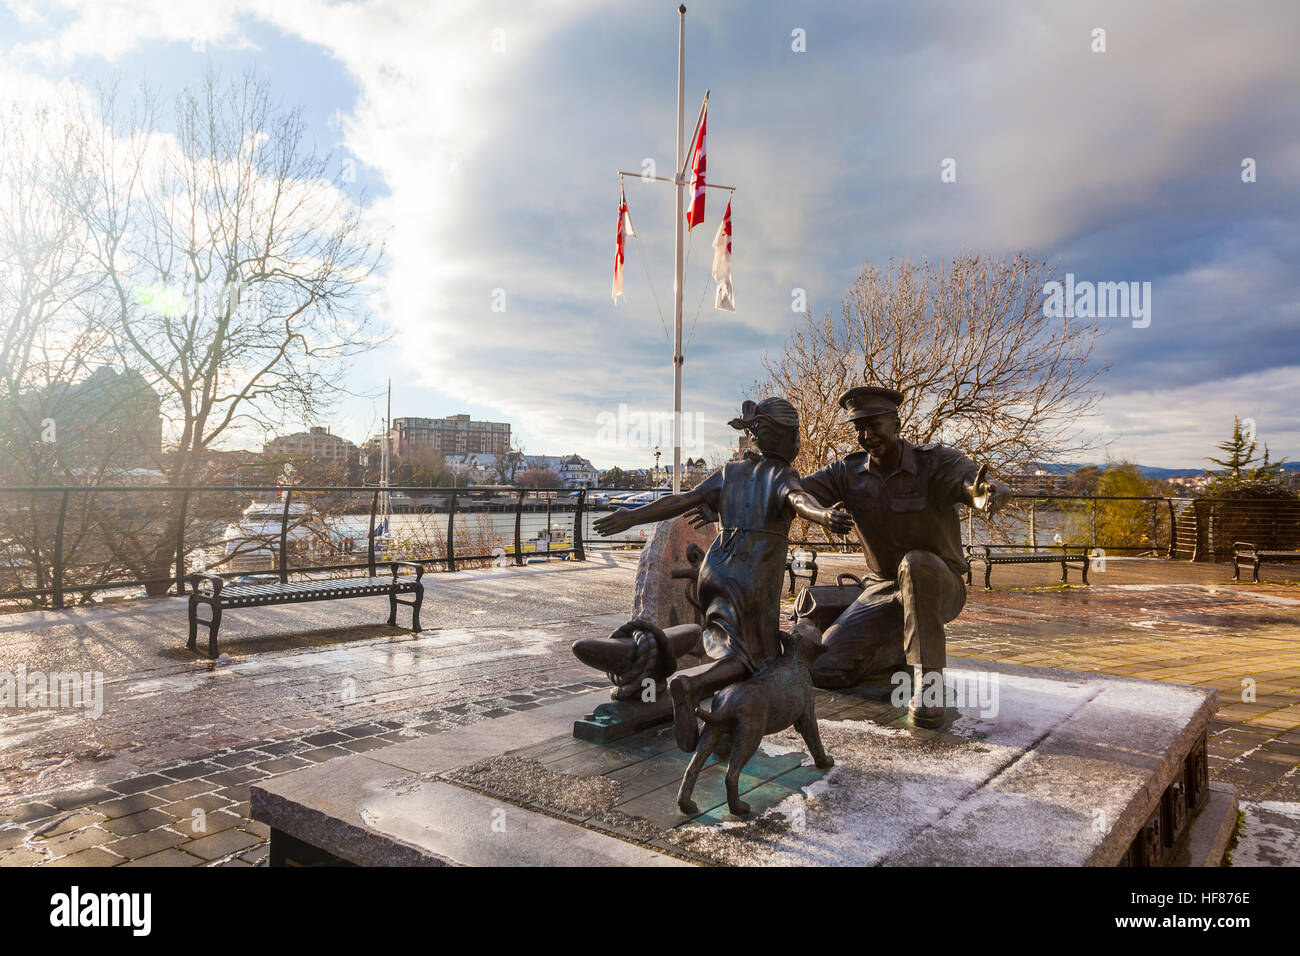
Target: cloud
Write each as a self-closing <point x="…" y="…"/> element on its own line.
<point x="497" y="129"/>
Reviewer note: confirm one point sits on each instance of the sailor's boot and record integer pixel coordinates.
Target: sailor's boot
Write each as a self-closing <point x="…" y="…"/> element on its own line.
<point x="927" y="708"/>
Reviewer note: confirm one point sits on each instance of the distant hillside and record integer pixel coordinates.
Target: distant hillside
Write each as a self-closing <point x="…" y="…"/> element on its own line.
<point x="1148" y="471"/>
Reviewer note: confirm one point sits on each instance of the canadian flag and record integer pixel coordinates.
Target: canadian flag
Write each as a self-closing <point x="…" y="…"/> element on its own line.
<point x="624" y="230"/>
<point x="695" y="214"/>
<point x="722" y="264"/>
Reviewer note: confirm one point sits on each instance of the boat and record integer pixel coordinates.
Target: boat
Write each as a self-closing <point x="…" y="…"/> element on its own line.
<point x="253" y="542"/>
<point x="637" y="500"/>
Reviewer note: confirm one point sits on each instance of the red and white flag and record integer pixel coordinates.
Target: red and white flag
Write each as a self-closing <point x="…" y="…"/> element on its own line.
<point x="695" y="214"/>
<point x="722" y="264"/>
<point x="624" y="230"/>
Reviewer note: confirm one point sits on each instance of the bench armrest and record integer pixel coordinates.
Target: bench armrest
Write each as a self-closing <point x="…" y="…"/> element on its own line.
<point x="216" y="580"/>
<point x="1244" y="547"/>
<point x="419" y="568"/>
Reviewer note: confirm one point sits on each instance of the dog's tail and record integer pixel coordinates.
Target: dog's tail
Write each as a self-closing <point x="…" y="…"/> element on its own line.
<point x="708" y="716"/>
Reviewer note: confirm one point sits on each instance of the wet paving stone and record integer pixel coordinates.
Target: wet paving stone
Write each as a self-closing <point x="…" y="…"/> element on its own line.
<point x="238" y="759"/>
<point x="146" y="844"/>
<point x="239" y="775"/>
<point x="221" y="844"/>
<point x="82" y="798"/>
<point x="168" y="857"/>
<point x="191" y="770"/>
<point x="140" y="784"/>
<point x="181" y="790"/>
<point x="95" y="856"/>
<point x="27" y="812"/>
<point x="138" y="822"/>
<point x="1050" y="627"/>
<point x="125" y="806"/>
<point x="329" y="737"/>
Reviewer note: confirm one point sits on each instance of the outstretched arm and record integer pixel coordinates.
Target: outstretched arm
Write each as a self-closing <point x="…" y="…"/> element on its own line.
<point x="835" y="519"/>
<point x="668" y="507"/>
<point x="985" y="494"/>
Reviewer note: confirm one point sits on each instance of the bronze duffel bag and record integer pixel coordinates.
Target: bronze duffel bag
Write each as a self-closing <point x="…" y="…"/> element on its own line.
<point x="823" y="603"/>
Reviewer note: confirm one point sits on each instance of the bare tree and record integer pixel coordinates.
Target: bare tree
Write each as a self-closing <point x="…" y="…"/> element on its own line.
<point x="234" y="262"/>
<point x="539" y="478"/>
<point x="980" y="366"/>
<point x="507" y="466"/>
<point x="55" y="429"/>
<point x="219" y="259"/>
<point x="47" y="287"/>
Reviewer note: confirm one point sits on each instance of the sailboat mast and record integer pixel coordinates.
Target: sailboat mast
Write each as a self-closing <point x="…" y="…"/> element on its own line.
<point x="680" y="178"/>
<point x="388" y="437"/>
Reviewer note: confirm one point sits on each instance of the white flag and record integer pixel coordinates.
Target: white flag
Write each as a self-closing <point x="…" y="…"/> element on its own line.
<point x="722" y="264"/>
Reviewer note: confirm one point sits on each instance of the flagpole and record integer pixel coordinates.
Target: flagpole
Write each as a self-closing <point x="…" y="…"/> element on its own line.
<point x="677" y="252"/>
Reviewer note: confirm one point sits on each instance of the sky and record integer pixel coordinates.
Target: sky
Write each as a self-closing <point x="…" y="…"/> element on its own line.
<point x="486" y="138"/>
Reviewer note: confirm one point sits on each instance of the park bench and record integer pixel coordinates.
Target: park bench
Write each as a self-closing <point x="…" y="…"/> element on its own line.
<point x="1243" y="552"/>
<point x="1065" y="558"/>
<point x="807" y="567"/>
<point x="219" y="596"/>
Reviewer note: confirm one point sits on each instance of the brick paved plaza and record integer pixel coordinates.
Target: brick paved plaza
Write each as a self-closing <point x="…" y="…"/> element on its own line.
<point x="162" y="777"/>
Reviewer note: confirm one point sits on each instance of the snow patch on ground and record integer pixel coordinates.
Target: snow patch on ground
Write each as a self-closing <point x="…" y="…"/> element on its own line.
<point x="1270" y="835"/>
<point x="851" y="816"/>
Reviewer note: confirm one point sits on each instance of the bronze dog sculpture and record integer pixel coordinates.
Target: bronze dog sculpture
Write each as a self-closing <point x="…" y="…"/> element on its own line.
<point x="778" y="696"/>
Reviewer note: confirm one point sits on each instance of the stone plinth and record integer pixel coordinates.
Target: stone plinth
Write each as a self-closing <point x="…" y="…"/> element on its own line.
<point x="1039" y="768"/>
<point x="660" y="598"/>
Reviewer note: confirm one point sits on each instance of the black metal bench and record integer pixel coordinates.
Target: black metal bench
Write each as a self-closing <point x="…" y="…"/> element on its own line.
<point x="1064" y="557"/>
<point x="807" y="569"/>
<point x="1243" y="552"/>
<point x="219" y="596"/>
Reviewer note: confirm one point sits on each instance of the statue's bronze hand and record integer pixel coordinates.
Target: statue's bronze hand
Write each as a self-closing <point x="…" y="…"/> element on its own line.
<point x="701" y="515"/>
<point x="611" y="524"/>
<point x="988" y="495"/>
<point x="838" y="521"/>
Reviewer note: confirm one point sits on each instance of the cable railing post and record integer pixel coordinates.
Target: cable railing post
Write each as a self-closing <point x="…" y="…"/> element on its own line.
<point x="180" y="542"/>
<point x="284" y="537"/>
<point x="579" y="553"/>
<point x="1033" y="524"/>
<point x="1092" y="524"/>
<point x="451" y="532"/>
<point x="548" y="527"/>
<point x="1173" y="530"/>
<point x="519" y="540"/>
<point x="58" y="552"/>
<point x="370" y="548"/>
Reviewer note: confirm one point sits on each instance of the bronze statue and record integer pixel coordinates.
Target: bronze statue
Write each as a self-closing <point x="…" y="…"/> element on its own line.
<point x="636" y="654"/>
<point x="739" y="585"/>
<point x="903" y="499"/>
<point x="778" y="696"/>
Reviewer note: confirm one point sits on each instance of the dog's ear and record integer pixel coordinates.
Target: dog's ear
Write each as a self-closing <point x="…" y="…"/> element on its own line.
<point x="811" y="650"/>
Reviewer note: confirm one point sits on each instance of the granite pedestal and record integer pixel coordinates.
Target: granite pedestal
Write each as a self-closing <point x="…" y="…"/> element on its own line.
<point x="1035" y="767"/>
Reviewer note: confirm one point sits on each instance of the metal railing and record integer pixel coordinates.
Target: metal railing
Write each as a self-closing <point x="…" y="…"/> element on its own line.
<point x="1195" y="529"/>
<point x="57" y="542"/>
<point x="61" y="541"/>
